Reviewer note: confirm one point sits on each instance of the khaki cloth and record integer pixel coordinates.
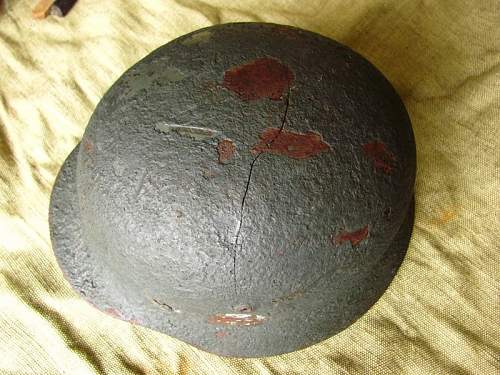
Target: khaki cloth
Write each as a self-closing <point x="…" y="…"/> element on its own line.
<point x="440" y="314"/>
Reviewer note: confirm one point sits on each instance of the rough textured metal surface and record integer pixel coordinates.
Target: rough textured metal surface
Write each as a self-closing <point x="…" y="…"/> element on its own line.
<point x="246" y="188"/>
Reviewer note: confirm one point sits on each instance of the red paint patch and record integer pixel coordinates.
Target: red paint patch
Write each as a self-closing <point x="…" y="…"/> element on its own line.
<point x="383" y="159"/>
<point x="237" y="319"/>
<point x="354" y="237"/>
<point x="291" y="144"/>
<point x="226" y="150"/>
<point x="258" y="79"/>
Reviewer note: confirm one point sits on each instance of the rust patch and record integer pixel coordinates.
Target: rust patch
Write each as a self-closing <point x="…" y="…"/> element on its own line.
<point x="226" y="150"/>
<point x="382" y="158"/>
<point x="258" y="79"/>
<point x="291" y="144"/>
<point x="237" y="319"/>
<point x="221" y="334"/>
<point x="445" y="217"/>
<point x="354" y="237"/>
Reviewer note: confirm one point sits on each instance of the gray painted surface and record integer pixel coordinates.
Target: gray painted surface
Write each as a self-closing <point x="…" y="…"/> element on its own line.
<point x="177" y="213"/>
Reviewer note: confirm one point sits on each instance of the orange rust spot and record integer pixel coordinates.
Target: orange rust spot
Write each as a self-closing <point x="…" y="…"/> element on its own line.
<point x="237" y="319"/>
<point x="382" y="158"/>
<point x="226" y="150"/>
<point x="354" y="237"/>
<point x="258" y="79"/>
<point x="291" y="144"/>
<point x="445" y="217"/>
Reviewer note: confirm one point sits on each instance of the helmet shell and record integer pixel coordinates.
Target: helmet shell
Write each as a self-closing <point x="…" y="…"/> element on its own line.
<point x="246" y="188"/>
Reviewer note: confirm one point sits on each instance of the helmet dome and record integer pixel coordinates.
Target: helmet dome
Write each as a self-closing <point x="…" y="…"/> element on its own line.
<point x="246" y="188"/>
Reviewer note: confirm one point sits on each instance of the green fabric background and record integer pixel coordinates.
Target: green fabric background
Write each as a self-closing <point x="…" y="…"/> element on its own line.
<point x="441" y="313"/>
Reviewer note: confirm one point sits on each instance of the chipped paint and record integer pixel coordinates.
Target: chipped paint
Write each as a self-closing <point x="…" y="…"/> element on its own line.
<point x="291" y="144"/>
<point x="261" y="78"/>
<point x="157" y="73"/>
<point x="226" y="150"/>
<point x="354" y="237"/>
<point x="172" y="74"/>
<point x="200" y="37"/>
<point x="382" y="158"/>
<point x="194" y="132"/>
<point x="237" y="319"/>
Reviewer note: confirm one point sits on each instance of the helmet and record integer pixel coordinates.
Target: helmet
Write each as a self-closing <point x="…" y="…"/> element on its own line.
<point x="246" y="188"/>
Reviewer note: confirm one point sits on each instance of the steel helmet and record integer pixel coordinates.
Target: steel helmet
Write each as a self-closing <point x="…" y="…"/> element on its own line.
<point x="246" y="188"/>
